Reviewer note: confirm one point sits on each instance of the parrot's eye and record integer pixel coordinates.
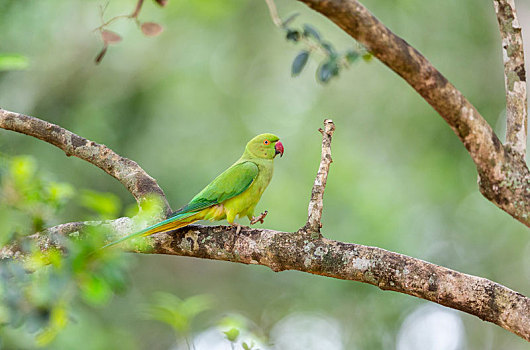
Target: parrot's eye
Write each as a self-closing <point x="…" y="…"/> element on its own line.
<point x="266" y="142"/>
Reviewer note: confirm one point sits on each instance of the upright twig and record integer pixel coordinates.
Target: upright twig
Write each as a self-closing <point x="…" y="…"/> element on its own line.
<point x="316" y="204"/>
<point x="514" y="76"/>
<point x="126" y="171"/>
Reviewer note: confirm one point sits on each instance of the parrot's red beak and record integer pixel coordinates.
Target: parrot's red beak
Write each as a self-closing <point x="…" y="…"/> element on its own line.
<point x="279" y="148"/>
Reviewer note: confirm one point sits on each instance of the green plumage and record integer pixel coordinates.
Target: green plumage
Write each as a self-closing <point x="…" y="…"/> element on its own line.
<point x="234" y="193"/>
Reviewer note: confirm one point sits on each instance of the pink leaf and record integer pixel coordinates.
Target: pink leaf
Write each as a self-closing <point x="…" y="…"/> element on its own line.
<point x="110" y="37"/>
<point x="151" y="28"/>
<point x="161" y="2"/>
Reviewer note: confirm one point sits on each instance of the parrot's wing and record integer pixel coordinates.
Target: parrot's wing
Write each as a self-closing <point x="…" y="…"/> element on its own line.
<point x="232" y="182"/>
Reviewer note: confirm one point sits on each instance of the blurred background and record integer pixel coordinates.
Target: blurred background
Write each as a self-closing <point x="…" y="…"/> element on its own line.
<point x="183" y="105"/>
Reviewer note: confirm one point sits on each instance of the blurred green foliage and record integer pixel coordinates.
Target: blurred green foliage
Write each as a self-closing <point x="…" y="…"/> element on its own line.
<point x="184" y="103"/>
<point x="39" y="290"/>
<point x="105" y="205"/>
<point x="177" y="313"/>
<point x="28" y="202"/>
<point x="13" y="62"/>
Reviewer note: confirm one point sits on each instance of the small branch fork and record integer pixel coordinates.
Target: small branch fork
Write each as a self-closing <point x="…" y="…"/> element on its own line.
<point x="514" y="76"/>
<point x="316" y="204"/>
<point x="134" y="15"/>
<point x="137" y="9"/>
<point x="126" y="171"/>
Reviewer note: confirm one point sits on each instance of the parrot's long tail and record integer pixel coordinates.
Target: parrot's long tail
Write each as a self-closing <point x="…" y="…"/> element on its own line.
<point x="167" y="225"/>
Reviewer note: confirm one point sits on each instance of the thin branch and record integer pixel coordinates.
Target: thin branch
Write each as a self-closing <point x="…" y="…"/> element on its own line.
<point x="311" y="45"/>
<point x="514" y="75"/>
<point x="274" y="13"/>
<point x="126" y="171"/>
<point x="316" y="203"/>
<point x="137" y="9"/>
<point x="134" y="15"/>
<point x="504" y="177"/>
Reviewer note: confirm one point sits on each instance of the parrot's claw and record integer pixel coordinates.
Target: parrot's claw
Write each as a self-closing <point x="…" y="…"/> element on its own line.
<point x="238" y="227"/>
<point x="260" y="219"/>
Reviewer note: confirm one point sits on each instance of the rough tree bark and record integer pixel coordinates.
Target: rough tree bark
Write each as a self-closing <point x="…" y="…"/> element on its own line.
<point x="126" y="171"/>
<point x="503" y="177"/>
<point x="514" y="76"/>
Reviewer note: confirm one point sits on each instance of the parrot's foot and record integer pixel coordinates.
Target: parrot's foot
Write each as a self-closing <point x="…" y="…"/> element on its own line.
<point x="238" y="227"/>
<point x="256" y="219"/>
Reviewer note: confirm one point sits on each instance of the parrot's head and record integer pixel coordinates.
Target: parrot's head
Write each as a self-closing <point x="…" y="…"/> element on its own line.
<point x="265" y="146"/>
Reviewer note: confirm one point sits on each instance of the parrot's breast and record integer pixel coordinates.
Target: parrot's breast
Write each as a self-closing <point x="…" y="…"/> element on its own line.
<point x="244" y="203"/>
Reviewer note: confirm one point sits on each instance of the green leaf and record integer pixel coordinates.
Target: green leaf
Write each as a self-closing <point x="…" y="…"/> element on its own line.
<point x="352" y="56"/>
<point x="23" y="169"/>
<point x="289" y="19"/>
<point x="292" y="35"/>
<point x="299" y="63"/>
<point x="329" y="48"/>
<point x="232" y="334"/>
<point x="245" y="346"/>
<point x="196" y="304"/>
<point x="177" y="313"/>
<point x="327" y="70"/>
<point x="13" y="62"/>
<point x="95" y="290"/>
<point x="59" y="193"/>
<point x="58" y="320"/>
<point x="367" y="57"/>
<point x="310" y="31"/>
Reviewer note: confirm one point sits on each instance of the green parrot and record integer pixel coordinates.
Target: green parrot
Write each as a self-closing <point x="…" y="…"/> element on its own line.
<point x="234" y="193"/>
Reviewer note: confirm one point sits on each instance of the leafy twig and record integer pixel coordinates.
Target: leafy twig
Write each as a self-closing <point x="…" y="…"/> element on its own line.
<point x="111" y="38"/>
<point x="332" y="61"/>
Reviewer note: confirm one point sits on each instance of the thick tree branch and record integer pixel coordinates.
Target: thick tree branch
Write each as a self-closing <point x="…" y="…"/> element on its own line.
<point x="126" y="171"/>
<point x="503" y="175"/>
<point x="514" y="75"/>
<point x="53" y="237"/>
<point x="316" y="204"/>
<point x="280" y="251"/>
